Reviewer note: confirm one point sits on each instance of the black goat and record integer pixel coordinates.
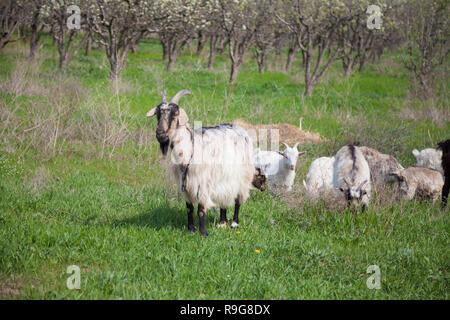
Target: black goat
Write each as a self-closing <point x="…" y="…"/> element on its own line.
<point x="445" y="147"/>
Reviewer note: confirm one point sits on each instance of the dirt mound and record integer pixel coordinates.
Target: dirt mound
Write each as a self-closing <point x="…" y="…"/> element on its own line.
<point x="287" y="132"/>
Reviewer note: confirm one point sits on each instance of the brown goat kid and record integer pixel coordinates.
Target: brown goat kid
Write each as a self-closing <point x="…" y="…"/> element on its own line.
<point x="419" y="182"/>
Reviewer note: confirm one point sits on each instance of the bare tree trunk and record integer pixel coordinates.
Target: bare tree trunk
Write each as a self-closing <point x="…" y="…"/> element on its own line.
<point x="114" y="71"/>
<point x="175" y="47"/>
<point x="212" y="51"/>
<point x="235" y="66"/>
<point x="201" y="42"/>
<point x="348" y="70"/>
<point x="290" y="57"/>
<point x="87" y="53"/>
<point x="124" y="57"/>
<point x="165" y="47"/>
<point x="35" y="41"/>
<point x="303" y="58"/>
<point x="309" y="88"/>
<point x="135" y="46"/>
<point x="348" y="64"/>
<point x="223" y="42"/>
<point x="362" y="62"/>
<point x="261" y="59"/>
<point x="171" y="63"/>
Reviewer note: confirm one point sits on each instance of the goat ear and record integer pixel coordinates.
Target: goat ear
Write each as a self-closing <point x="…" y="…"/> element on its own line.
<point x="362" y="184"/>
<point x="302" y="153"/>
<point x="152" y="112"/>
<point x="396" y="175"/>
<point x="415" y="152"/>
<point x="183" y="117"/>
<point x="282" y="154"/>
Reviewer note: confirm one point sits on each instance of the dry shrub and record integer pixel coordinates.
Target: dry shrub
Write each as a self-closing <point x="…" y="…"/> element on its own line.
<point x="121" y="86"/>
<point x="385" y="136"/>
<point x="68" y="118"/>
<point x="287" y="132"/>
<point x="25" y="79"/>
<point x="438" y="116"/>
<point x="298" y="199"/>
<point x="385" y="195"/>
<point x="10" y="289"/>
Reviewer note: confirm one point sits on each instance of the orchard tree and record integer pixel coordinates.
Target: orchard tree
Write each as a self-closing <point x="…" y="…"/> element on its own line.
<point x="427" y="27"/>
<point x="265" y="33"/>
<point x="240" y="24"/>
<point x="293" y="49"/>
<point x="12" y="13"/>
<point x="35" y="19"/>
<point x="355" y="37"/>
<point x="213" y="31"/>
<point x="182" y="21"/>
<point x="315" y="25"/>
<point x="57" y="17"/>
<point x="118" y="25"/>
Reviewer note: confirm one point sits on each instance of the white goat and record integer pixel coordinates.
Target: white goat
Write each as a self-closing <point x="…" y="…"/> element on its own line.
<point x="279" y="167"/>
<point x="320" y="176"/>
<point x="429" y="158"/>
<point x="212" y="165"/>
<point x="351" y="175"/>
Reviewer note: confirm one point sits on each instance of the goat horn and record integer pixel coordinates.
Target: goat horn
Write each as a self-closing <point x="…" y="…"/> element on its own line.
<point x="177" y="97"/>
<point x="164" y="96"/>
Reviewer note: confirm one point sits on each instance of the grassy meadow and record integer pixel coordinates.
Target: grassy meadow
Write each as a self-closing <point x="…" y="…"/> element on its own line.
<point x="83" y="182"/>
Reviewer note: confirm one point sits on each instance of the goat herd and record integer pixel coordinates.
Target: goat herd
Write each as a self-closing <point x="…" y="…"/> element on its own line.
<point x="217" y="166"/>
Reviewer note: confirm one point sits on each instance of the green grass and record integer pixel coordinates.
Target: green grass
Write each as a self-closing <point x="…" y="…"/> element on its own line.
<point x="110" y="210"/>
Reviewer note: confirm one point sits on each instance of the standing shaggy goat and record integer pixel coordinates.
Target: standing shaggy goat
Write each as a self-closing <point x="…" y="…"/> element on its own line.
<point x="320" y="176"/>
<point x="381" y="166"/>
<point x="279" y="167"/>
<point x="419" y="182"/>
<point x="351" y="175"/>
<point x="429" y="158"/>
<point x="444" y="146"/>
<point x="213" y="165"/>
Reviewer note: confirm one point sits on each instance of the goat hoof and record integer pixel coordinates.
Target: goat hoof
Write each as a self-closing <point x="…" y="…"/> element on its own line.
<point x="222" y="224"/>
<point x="234" y="224"/>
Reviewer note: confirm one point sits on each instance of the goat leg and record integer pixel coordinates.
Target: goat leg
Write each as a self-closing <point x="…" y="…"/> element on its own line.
<point x="445" y="191"/>
<point x="235" y="222"/>
<point x="223" y="218"/>
<point x="201" y="219"/>
<point x="190" y="215"/>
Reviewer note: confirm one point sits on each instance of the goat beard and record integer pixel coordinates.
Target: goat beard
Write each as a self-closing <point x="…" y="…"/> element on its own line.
<point x="164" y="146"/>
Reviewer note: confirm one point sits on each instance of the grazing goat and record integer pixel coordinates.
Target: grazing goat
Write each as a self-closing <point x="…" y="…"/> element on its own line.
<point x="429" y="158"/>
<point x="320" y="176"/>
<point x="444" y="146"/>
<point x="419" y="182"/>
<point x="213" y="165"/>
<point x="381" y="166"/>
<point x="279" y="167"/>
<point x="351" y="175"/>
